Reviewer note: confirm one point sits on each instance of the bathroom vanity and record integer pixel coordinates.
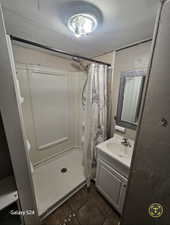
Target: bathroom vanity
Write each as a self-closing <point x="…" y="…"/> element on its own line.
<point x="113" y="164"/>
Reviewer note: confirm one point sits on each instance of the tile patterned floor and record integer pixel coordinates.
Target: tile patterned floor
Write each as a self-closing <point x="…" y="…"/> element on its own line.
<point x="84" y="208"/>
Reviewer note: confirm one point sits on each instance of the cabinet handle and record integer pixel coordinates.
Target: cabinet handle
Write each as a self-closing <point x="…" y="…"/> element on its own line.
<point x="124" y="185"/>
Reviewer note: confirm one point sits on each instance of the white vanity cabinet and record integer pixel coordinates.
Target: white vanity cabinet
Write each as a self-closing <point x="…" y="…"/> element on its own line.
<point x="113" y="165"/>
<point x="111" y="184"/>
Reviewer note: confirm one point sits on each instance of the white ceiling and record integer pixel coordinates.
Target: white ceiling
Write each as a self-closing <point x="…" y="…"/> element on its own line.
<point x="121" y="22"/>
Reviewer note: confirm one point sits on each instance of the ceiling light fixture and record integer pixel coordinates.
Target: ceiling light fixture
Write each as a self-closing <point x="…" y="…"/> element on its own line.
<point x="82" y="24"/>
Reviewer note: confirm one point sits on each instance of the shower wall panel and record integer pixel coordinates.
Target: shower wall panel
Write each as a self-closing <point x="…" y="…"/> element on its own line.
<point x="51" y="110"/>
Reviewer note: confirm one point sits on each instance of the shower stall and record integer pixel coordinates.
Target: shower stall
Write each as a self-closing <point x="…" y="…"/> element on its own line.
<point x="52" y="112"/>
<point x="58" y="96"/>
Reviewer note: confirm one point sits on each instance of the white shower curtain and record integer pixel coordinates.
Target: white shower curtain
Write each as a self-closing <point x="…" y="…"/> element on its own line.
<point x="96" y="115"/>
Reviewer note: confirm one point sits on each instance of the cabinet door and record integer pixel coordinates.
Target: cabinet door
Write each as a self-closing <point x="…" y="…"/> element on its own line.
<point x="111" y="184"/>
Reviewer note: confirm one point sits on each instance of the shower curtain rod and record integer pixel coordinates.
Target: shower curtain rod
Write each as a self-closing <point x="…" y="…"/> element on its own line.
<point x="56" y="50"/>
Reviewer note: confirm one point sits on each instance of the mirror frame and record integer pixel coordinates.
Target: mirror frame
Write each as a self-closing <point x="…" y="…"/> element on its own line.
<point x="132" y="73"/>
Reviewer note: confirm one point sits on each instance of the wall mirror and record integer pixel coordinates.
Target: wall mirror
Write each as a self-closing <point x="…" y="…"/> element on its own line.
<point x="130" y="96"/>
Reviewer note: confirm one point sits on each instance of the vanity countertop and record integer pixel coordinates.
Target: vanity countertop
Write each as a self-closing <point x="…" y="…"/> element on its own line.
<point x="120" y="154"/>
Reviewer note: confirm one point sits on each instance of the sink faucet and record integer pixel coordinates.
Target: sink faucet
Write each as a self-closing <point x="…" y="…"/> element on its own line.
<point x="125" y="142"/>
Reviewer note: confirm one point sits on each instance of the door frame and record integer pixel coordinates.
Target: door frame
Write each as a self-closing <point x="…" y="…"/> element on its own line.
<point x="11" y="113"/>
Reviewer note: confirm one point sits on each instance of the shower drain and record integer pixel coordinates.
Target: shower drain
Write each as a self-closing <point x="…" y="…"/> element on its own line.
<point x="63" y="170"/>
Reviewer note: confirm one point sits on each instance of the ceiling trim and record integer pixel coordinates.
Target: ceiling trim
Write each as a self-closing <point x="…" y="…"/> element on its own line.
<point x="124" y="47"/>
<point x="133" y="44"/>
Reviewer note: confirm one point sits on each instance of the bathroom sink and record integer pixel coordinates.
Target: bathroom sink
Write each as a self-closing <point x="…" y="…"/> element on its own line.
<point x="117" y="154"/>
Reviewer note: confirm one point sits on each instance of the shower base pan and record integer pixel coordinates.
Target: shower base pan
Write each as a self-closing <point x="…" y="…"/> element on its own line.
<point x="57" y="180"/>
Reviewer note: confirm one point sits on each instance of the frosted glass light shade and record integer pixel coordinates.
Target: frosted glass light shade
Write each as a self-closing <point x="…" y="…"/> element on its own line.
<point x="82" y="24"/>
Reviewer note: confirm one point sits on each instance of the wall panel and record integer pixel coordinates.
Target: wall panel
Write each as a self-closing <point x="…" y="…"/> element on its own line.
<point x="51" y="109"/>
